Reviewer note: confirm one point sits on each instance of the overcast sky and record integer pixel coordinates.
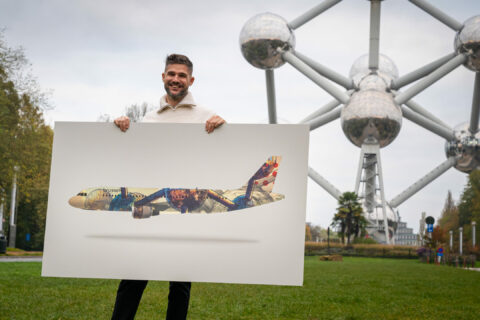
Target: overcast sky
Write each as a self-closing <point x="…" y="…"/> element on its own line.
<point x="100" y="56"/>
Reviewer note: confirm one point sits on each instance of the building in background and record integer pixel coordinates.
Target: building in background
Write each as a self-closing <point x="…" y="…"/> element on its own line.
<point x="405" y="236"/>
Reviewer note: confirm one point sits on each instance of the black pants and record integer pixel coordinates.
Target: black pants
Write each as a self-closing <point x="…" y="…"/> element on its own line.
<point x="130" y="292"/>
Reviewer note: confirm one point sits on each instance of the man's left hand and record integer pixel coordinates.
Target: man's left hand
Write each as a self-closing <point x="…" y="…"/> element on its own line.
<point x="213" y="123"/>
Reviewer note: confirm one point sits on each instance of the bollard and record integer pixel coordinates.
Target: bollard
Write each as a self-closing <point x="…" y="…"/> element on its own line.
<point x="460" y="247"/>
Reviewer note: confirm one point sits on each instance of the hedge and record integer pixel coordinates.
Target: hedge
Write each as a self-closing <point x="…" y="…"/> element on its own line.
<point x="361" y="250"/>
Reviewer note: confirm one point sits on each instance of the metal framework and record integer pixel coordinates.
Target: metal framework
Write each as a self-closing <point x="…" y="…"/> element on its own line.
<point x="381" y="88"/>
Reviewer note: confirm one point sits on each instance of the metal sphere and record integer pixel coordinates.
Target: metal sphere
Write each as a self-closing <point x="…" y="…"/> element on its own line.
<point x="371" y="116"/>
<point x="373" y="82"/>
<point x="260" y="38"/>
<point x="387" y="70"/>
<point x="468" y="40"/>
<point x="466" y="147"/>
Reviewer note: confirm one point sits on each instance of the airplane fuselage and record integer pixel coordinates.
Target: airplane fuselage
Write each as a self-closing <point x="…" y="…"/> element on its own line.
<point x="145" y="202"/>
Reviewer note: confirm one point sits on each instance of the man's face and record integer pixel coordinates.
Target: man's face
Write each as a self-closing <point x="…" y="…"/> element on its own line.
<point x="177" y="79"/>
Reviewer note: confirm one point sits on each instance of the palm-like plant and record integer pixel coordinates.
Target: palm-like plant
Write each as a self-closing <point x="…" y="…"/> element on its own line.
<point x="349" y="219"/>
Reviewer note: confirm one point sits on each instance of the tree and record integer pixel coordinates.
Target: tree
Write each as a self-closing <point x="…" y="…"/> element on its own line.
<point x="349" y="218"/>
<point x="439" y="236"/>
<point x="9" y="119"/>
<point x="136" y="112"/>
<point x="469" y="205"/>
<point x="318" y="233"/>
<point x="34" y="143"/>
<point x="314" y="232"/>
<point x="104" y="118"/>
<point x="449" y="217"/>
<point x="17" y="69"/>
<point x="26" y="142"/>
<point x="308" y="234"/>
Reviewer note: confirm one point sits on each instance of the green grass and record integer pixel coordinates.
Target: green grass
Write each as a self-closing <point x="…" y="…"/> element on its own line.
<point x="357" y="288"/>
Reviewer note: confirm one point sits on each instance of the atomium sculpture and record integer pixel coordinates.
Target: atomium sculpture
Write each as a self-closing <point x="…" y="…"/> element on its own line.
<point x="372" y="106"/>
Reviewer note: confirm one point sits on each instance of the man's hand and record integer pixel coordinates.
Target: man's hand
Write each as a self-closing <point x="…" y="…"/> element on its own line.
<point x="213" y="123"/>
<point x="122" y="122"/>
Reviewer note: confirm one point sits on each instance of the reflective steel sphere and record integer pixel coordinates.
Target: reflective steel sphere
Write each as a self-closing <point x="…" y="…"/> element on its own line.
<point x="387" y="70"/>
<point x="373" y="82"/>
<point x="371" y="116"/>
<point x="468" y="40"/>
<point x="260" y="38"/>
<point x="466" y="147"/>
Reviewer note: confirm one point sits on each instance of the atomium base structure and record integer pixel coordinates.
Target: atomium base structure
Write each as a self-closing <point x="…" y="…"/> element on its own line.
<point x="372" y="106"/>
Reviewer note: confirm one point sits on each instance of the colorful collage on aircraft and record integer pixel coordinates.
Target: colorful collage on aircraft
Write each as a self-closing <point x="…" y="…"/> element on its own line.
<point x="147" y="202"/>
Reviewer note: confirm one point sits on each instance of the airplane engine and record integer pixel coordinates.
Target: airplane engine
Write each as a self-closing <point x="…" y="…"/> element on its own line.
<point x="142" y="212"/>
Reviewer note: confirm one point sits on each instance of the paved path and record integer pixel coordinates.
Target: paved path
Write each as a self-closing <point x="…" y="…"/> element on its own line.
<point x="20" y="259"/>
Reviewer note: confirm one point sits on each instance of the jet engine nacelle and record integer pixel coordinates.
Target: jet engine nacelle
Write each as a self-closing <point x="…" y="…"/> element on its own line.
<point x="142" y="212"/>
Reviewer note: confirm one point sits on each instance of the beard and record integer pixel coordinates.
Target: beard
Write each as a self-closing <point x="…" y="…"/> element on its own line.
<point x="178" y="96"/>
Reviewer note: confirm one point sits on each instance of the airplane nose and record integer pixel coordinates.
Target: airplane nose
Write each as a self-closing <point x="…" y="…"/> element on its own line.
<point x="77" y="202"/>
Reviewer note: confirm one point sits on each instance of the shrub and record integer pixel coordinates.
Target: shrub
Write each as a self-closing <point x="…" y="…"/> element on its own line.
<point x="364" y="241"/>
<point x="361" y="250"/>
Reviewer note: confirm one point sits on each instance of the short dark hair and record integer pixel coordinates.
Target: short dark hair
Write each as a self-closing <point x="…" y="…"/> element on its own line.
<point x="175" y="58"/>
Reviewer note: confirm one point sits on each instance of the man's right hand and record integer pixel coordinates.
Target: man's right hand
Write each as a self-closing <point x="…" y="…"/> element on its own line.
<point x="122" y="122"/>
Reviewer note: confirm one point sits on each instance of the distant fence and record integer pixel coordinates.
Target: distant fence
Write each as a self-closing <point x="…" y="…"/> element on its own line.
<point x="361" y="250"/>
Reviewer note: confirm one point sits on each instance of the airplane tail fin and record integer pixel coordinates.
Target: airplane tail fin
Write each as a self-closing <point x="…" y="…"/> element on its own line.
<point x="264" y="178"/>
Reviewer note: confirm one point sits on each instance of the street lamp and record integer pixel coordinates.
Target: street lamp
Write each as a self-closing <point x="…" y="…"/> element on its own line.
<point x="1" y="216"/>
<point x="473" y="233"/>
<point x="451" y="240"/>
<point x="13" y="226"/>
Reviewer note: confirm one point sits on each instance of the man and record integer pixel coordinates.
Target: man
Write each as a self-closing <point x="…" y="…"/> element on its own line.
<point x="176" y="106"/>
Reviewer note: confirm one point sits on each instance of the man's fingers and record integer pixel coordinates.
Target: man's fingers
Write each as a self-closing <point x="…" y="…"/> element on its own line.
<point x="123" y="123"/>
<point x="213" y="122"/>
<point x="209" y="127"/>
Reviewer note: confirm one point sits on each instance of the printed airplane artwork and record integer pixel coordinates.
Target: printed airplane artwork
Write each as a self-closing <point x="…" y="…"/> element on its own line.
<point x="147" y="202"/>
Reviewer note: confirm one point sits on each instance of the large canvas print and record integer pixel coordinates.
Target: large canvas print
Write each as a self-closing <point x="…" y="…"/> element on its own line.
<point x="171" y="202"/>
<point x="145" y="202"/>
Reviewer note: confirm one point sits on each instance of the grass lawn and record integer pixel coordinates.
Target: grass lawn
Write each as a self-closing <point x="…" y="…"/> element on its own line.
<point x="357" y="288"/>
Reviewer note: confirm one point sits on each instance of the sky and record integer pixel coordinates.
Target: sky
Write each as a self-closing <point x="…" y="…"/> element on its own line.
<point x="98" y="57"/>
